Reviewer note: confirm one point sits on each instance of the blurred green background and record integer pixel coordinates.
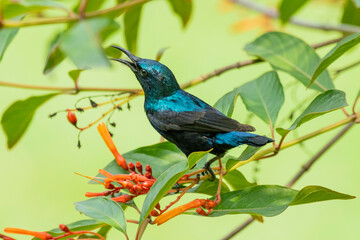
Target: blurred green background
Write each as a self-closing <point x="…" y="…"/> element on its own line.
<point x="37" y="183"/>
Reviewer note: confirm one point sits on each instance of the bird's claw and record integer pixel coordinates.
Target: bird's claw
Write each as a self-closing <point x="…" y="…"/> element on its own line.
<point x="209" y="171"/>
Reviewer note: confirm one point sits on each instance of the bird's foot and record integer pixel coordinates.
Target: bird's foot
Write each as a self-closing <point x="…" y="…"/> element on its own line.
<point x="208" y="170"/>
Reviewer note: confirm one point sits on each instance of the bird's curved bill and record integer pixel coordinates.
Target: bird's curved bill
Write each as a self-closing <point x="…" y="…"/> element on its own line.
<point x="134" y="59"/>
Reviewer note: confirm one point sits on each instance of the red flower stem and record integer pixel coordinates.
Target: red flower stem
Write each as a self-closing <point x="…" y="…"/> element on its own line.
<point x="79" y="233"/>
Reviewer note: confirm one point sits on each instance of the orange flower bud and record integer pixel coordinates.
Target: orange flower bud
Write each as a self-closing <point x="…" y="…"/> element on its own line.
<point x="148" y="184"/>
<point x="154" y="213"/>
<point x="139" y="167"/>
<point x="72" y="118"/>
<point x="64" y="228"/>
<point x="131" y="167"/>
<point x="123" y="198"/>
<point x="126" y="184"/>
<point x="209" y="204"/>
<point x="41" y="235"/>
<point x="201" y="211"/>
<point x="148" y="169"/>
<point x="90" y="194"/>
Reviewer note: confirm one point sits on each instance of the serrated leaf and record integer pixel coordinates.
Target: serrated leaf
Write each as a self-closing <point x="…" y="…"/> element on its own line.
<point x="288" y="8"/>
<point x="160" y="157"/>
<point x="264" y="97"/>
<point x="340" y="48"/>
<point x="166" y="181"/>
<point x="312" y="194"/>
<point x="131" y="26"/>
<point x="104" y="210"/>
<point x="323" y="103"/>
<point x="182" y="8"/>
<point x="17" y="118"/>
<point x="291" y="55"/>
<point x="226" y="103"/>
<point x="6" y="36"/>
<point x="81" y="43"/>
<point x="351" y="14"/>
<point x="237" y="180"/>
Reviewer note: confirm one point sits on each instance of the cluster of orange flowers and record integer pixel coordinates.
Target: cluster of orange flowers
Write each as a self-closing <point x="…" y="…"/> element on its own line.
<point x="136" y="182"/>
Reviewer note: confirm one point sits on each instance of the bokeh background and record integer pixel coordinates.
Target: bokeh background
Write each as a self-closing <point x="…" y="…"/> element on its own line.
<point x="37" y="182"/>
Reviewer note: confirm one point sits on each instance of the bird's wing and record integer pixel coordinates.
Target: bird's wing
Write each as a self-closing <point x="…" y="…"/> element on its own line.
<point x="196" y="121"/>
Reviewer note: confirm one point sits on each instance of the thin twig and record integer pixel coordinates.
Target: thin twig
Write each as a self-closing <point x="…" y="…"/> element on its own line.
<point x="53" y="20"/>
<point x="300" y="22"/>
<point x="299" y="174"/>
<point x="82" y="8"/>
<point x="188" y="84"/>
<point x="69" y="89"/>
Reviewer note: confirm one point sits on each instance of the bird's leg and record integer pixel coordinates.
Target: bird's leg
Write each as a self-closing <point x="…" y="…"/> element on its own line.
<point x="207" y="166"/>
<point x="218" y="196"/>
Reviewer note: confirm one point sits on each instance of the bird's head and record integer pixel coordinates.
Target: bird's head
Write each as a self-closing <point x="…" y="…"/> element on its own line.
<point x="155" y="78"/>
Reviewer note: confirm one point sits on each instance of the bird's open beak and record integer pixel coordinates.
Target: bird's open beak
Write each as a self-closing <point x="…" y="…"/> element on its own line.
<point x="134" y="59"/>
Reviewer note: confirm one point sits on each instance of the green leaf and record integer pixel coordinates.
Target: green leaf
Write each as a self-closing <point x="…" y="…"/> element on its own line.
<point x="29" y="6"/>
<point x="90" y="6"/>
<point x="55" y="55"/>
<point x="264" y="97"/>
<point x="81" y="43"/>
<point x="82" y="225"/>
<point x="312" y="194"/>
<point x="16" y="119"/>
<point x="209" y="187"/>
<point x="351" y="14"/>
<point x="104" y="230"/>
<point x="104" y="210"/>
<point x="288" y="8"/>
<point x="226" y="103"/>
<point x="159" y="156"/>
<point x="237" y="180"/>
<point x="166" y="181"/>
<point x="74" y="74"/>
<point x="291" y="55"/>
<point x="182" y="8"/>
<point x="131" y="26"/>
<point x="6" y="36"/>
<point x="323" y="103"/>
<point x="340" y="48"/>
<point x="265" y="200"/>
<point x="245" y="155"/>
<point x="271" y="200"/>
<point x="112" y="52"/>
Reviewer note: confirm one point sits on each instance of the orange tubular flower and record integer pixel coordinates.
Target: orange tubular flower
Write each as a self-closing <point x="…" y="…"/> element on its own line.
<point x="41" y="235"/>
<point x="123" y="198"/>
<point x="110" y="144"/>
<point x="178" y="210"/>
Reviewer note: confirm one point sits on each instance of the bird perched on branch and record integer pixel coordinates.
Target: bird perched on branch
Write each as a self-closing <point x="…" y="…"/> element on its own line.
<point x="183" y="119"/>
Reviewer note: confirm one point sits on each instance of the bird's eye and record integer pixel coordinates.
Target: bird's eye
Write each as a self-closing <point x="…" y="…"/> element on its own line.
<point x="143" y="72"/>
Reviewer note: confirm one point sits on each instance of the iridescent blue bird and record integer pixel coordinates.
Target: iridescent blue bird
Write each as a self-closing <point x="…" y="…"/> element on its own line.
<point x="184" y="119"/>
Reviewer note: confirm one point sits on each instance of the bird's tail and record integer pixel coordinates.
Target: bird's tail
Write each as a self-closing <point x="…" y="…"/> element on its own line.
<point x="257" y="140"/>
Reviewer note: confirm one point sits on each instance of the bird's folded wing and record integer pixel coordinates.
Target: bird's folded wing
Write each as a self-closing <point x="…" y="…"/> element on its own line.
<point x="196" y="121"/>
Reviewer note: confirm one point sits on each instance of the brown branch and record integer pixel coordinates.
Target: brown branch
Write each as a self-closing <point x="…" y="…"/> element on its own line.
<point x="188" y="84"/>
<point x="299" y="174"/>
<point x="66" y="19"/>
<point x="296" y="21"/>
<point x="69" y="89"/>
<point x="82" y="8"/>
